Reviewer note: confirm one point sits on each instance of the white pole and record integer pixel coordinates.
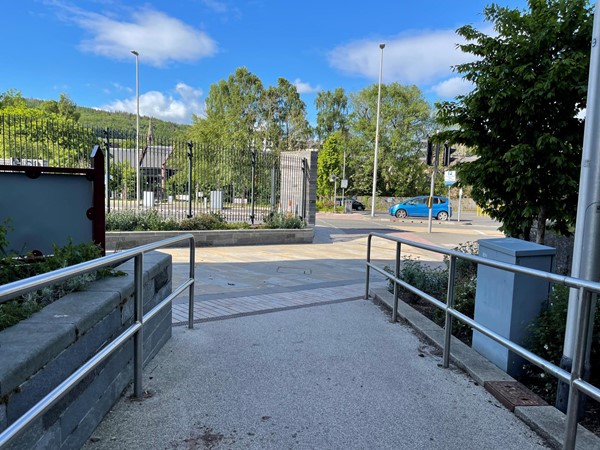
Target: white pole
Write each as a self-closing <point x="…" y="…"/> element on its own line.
<point x="381" y="46"/>
<point x="460" y="192"/>
<point x="586" y="258"/>
<point x="137" y="129"/>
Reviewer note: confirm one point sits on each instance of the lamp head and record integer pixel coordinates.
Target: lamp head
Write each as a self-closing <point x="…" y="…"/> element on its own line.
<point x="135" y="53"/>
<point x="381" y="46"/>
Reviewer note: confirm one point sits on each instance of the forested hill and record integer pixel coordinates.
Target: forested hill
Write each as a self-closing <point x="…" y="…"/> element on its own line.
<point x="161" y="129"/>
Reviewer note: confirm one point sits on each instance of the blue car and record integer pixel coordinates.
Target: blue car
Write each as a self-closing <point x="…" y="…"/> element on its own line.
<point x="417" y="207"/>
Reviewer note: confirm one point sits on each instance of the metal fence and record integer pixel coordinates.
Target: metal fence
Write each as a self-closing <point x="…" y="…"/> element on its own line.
<point x="175" y="177"/>
<point x="586" y="289"/>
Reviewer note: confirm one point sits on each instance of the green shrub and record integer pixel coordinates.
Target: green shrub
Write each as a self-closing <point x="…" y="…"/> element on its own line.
<point x="17" y="268"/>
<point x="130" y="220"/>
<point x="325" y="205"/>
<point x="211" y="221"/>
<point x="281" y="220"/>
<point x="546" y="339"/>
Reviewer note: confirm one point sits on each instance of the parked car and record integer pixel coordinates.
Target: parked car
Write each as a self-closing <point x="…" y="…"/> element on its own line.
<point x="417" y="207"/>
<point x="357" y="205"/>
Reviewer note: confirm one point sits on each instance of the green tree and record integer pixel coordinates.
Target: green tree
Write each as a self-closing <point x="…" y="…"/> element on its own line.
<point x="284" y="125"/>
<point x="64" y="107"/>
<point x="404" y="122"/>
<point x="12" y="98"/>
<point x="232" y="111"/>
<point x="530" y="83"/>
<point x="328" y="164"/>
<point x="332" y="112"/>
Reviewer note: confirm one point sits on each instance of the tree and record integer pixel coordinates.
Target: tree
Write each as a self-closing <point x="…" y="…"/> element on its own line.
<point x="332" y="112"/>
<point x="328" y="164"/>
<point x="284" y="125"/>
<point x="12" y="98"/>
<point x="64" y="107"/>
<point x="404" y="122"/>
<point x="232" y="111"/>
<point x="530" y="82"/>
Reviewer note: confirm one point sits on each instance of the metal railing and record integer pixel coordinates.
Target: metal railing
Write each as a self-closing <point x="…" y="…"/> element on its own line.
<point x="135" y="330"/>
<point x="175" y="177"/>
<point x="586" y="289"/>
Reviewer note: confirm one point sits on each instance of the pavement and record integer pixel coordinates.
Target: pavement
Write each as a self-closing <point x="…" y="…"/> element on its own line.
<point x="287" y="354"/>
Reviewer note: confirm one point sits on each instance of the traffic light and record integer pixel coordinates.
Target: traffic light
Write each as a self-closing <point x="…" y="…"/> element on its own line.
<point x="447" y="152"/>
<point x="429" y="153"/>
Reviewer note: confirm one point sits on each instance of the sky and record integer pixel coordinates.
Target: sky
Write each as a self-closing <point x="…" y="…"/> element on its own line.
<point x="83" y="48"/>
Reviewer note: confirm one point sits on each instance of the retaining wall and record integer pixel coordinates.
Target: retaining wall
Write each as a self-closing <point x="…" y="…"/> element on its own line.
<point x="39" y="353"/>
<point x="119" y="240"/>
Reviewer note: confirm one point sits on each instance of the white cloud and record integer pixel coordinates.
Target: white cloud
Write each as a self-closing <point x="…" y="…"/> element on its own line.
<point x="452" y="87"/>
<point x="305" y="88"/>
<point x="410" y="59"/>
<point x="177" y="107"/>
<point x="159" y="38"/>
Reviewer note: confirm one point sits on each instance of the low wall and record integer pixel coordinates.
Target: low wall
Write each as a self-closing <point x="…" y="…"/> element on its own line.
<point x="118" y="240"/>
<point x="39" y="353"/>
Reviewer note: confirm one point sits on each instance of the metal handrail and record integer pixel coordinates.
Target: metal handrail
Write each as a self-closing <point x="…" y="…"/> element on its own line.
<point x="585" y="287"/>
<point x="135" y="330"/>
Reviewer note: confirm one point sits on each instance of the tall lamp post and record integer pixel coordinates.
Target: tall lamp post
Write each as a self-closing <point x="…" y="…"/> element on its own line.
<point x="137" y="128"/>
<point x="381" y="46"/>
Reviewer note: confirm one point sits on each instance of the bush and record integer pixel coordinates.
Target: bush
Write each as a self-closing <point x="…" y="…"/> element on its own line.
<point x="434" y="281"/>
<point x="17" y="268"/>
<point x="211" y="221"/>
<point x="431" y="280"/>
<point x="546" y="339"/>
<point x="130" y="220"/>
<point x="280" y="220"/>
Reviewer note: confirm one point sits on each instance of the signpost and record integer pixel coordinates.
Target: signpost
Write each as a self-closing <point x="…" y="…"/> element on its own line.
<point x="449" y="180"/>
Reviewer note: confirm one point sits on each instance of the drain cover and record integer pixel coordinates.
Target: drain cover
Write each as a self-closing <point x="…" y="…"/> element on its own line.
<point x="512" y="394"/>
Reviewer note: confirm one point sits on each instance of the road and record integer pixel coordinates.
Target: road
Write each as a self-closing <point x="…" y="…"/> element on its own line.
<point x="331" y="227"/>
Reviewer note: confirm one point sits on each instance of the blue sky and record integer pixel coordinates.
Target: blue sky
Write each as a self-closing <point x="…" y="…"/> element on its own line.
<point x="82" y="48"/>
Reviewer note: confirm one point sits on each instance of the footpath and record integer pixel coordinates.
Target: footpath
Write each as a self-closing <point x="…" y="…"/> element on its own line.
<point x="286" y="354"/>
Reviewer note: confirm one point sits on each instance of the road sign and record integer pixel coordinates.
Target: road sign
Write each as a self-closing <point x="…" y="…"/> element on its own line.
<point x="449" y="177"/>
<point x="344" y="184"/>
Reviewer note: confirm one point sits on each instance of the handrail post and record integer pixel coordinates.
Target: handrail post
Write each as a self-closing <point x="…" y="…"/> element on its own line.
<point x="191" y="288"/>
<point x="138" y="338"/>
<point x="369" y="238"/>
<point x="584" y="311"/>
<point x="449" y="305"/>
<point x="397" y="275"/>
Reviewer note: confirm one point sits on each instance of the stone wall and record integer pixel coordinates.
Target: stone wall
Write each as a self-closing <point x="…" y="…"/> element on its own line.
<point x="39" y="353"/>
<point x="119" y="240"/>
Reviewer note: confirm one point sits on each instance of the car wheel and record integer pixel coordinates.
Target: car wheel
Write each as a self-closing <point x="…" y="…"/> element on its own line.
<point x="401" y="214"/>
<point x="442" y="215"/>
<point x="360" y="208"/>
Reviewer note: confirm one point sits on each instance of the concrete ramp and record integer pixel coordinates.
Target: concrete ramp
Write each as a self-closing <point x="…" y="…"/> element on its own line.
<point x="329" y="376"/>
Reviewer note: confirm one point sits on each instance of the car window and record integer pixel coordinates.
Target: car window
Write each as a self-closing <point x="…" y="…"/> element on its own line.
<point x="420" y="201"/>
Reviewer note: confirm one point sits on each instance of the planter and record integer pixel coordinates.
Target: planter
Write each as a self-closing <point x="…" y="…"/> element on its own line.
<point x="39" y="353"/>
<point x="119" y="240"/>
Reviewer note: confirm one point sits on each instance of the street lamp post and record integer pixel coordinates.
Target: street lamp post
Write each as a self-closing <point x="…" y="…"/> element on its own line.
<point x="381" y="46"/>
<point x="137" y="129"/>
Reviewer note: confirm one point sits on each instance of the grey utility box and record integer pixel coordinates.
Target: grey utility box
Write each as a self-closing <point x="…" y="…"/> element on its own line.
<point x="507" y="302"/>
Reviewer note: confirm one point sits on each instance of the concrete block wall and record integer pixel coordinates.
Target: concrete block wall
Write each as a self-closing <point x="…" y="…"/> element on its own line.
<point x="39" y="353"/>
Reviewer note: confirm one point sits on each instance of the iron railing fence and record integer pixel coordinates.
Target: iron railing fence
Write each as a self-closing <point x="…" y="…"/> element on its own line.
<point x="586" y="289"/>
<point x="176" y="178"/>
<point x="135" y="330"/>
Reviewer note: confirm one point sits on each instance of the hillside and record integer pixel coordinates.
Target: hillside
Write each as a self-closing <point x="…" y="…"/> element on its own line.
<point x="124" y="121"/>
